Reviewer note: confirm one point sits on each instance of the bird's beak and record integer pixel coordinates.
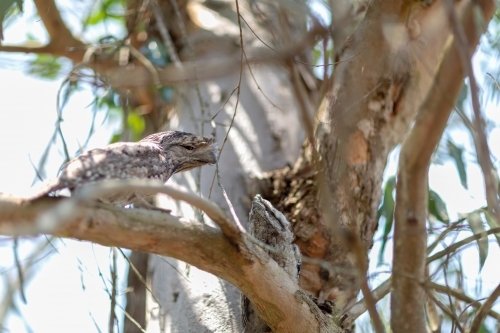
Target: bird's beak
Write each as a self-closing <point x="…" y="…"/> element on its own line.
<point x="212" y="158"/>
<point x="208" y="155"/>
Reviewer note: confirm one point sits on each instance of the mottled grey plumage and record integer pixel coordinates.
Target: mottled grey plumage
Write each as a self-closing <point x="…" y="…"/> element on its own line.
<point x="157" y="156"/>
<point x="270" y="226"/>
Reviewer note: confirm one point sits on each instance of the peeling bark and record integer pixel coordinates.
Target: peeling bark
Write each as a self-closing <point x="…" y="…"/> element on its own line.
<point x="390" y="63"/>
<point x="387" y="72"/>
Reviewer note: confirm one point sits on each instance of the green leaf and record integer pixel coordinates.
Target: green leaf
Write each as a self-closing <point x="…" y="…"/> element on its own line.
<point x="136" y="124"/>
<point x="484" y="329"/>
<point x="5" y="7"/>
<point x="464" y="92"/>
<point x="316" y="53"/>
<point x="104" y="11"/>
<point x="45" y="66"/>
<point x="387" y="210"/>
<point x="437" y="207"/>
<point x="116" y="138"/>
<point x="456" y="154"/>
<point x="477" y="227"/>
<point x="95" y="17"/>
<point x="492" y="222"/>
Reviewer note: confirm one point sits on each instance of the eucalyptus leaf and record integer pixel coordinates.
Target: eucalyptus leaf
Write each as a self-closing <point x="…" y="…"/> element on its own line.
<point x="456" y="154"/>
<point x="492" y="223"/>
<point x="387" y="211"/>
<point x="5" y="6"/>
<point x="136" y="124"/>
<point x="45" y="66"/>
<point x="437" y="207"/>
<point x="477" y="227"/>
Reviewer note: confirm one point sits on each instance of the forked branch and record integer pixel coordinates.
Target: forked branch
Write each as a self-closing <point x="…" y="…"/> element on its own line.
<point x="407" y="298"/>
<point x="220" y="252"/>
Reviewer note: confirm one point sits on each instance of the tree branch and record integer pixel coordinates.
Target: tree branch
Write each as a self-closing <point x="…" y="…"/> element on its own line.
<point x="61" y="38"/>
<point x="460" y="296"/>
<point x="262" y="281"/>
<point x="360" y="307"/>
<point x="482" y="150"/>
<point x="455" y="246"/>
<point x="407" y="298"/>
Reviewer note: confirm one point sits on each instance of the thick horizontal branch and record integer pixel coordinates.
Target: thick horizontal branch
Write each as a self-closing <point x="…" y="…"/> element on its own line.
<point x="262" y="281"/>
<point x="228" y="227"/>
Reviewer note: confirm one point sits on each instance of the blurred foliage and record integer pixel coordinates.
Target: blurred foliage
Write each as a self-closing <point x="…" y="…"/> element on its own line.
<point x="9" y="8"/>
<point x="45" y="66"/>
<point x="136" y="125"/>
<point x="387" y="211"/>
<point x="437" y="208"/>
<point x="492" y="223"/>
<point x="156" y="52"/>
<point x="106" y="10"/>
<point x="456" y="153"/>
<point x="476" y="224"/>
<point x="436" y="211"/>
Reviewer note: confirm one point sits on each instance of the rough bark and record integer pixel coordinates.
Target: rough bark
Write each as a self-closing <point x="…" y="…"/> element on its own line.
<point x="387" y="68"/>
<point x="223" y="252"/>
<point x="270" y="227"/>
<point x="385" y="72"/>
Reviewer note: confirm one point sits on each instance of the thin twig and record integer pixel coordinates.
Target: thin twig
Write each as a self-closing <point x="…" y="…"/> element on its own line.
<point x="481" y="143"/>
<point x="112" y="316"/>
<point x="173" y="267"/>
<point x="138" y="274"/>
<point x="226" y="197"/>
<point x="238" y="89"/>
<point x="20" y="274"/>
<point x="452" y="248"/>
<point x="445" y="310"/>
<point x="165" y="35"/>
<point x="484" y="310"/>
<point x="460" y="296"/>
<point x="360" y="307"/>
<point x="443" y="234"/>
<point x="146" y="63"/>
<point x="325" y="64"/>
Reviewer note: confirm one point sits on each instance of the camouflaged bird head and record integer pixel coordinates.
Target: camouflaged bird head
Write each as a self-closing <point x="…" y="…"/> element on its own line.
<point x="185" y="150"/>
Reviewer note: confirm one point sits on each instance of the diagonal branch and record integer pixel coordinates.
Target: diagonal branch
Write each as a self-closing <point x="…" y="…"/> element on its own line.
<point x="228" y="227"/>
<point x="407" y="298"/>
<point x="484" y="310"/>
<point x="61" y="38"/>
<point x="461" y="296"/>
<point x="266" y="284"/>
<point x="480" y="141"/>
<point x="52" y="20"/>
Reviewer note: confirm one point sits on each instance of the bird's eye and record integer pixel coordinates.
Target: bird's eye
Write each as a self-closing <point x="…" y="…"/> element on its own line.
<point x="189" y="147"/>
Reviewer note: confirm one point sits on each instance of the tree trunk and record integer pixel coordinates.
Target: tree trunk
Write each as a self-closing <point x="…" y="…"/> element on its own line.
<point x="193" y="300"/>
<point x="330" y="189"/>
